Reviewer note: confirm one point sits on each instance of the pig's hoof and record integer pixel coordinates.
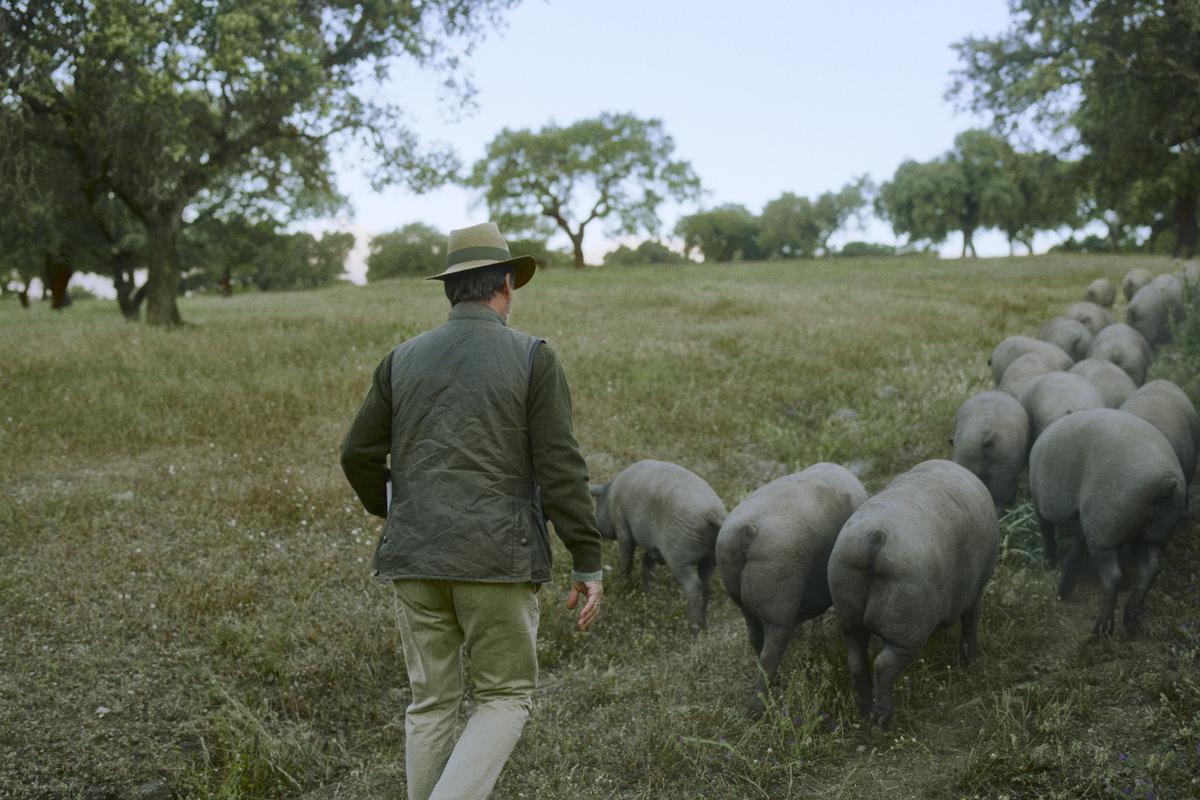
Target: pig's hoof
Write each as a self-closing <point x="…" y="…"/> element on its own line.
<point x="1104" y="629"/>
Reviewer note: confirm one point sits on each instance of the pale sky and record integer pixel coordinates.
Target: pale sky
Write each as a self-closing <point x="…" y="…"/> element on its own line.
<point x="761" y="97"/>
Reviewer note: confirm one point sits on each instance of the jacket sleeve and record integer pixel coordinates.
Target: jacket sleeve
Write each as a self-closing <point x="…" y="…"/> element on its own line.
<point x="368" y="442"/>
<point x="558" y="466"/>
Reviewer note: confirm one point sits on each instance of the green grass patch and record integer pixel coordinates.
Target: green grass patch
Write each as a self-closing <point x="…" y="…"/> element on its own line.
<point x="184" y="575"/>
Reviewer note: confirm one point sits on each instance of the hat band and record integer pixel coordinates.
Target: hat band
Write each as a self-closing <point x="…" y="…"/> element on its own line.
<point x="477" y="254"/>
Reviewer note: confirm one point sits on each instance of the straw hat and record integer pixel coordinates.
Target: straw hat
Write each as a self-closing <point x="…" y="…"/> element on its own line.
<point x="482" y="246"/>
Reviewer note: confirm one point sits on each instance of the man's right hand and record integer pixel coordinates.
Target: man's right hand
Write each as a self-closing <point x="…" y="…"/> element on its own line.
<point x="592" y="591"/>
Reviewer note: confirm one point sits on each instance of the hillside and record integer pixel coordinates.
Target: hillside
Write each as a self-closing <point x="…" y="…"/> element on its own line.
<point x="184" y="571"/>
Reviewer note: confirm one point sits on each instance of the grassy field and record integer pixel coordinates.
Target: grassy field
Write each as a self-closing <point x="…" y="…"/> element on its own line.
<point x="184" y="584"/>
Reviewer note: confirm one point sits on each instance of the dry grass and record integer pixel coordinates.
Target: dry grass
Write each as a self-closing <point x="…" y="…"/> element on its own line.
<point x="181" y="549"/>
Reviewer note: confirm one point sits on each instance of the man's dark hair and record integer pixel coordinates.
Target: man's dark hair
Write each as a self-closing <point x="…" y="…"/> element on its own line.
<point x="477" y="285"/>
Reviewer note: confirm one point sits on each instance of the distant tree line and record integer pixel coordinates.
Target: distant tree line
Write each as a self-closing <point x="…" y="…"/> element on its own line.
<point x="418" y="249"/>
<point x="982" y="182"/>
<point x="177" y="139"/>
<point x="790" y="226"/>
<point x="1113" y="85"/>
<point x="223" y="255"/>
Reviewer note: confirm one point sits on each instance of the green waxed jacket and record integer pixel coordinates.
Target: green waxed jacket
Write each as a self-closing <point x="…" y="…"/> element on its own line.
<point x="476" y="420"/>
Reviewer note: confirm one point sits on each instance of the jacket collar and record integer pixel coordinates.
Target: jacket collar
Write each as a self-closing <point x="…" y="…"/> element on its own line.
<point x="468" y="310"/>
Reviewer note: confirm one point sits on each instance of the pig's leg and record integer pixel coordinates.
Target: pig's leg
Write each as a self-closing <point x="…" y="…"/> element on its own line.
<point x="627" y="546"/>
<point x="775" y="642"/>
<point x="706" y="570"/>
<point x="968" y="644"/>
<point x="1071" y="566"/>
<point x="1149" y="564"/>
<point x="890" y="662"/>
<point x="856" y="641"/>
<point x="1049" y="545"/>
<point x="1127" y="559"/>
<point x="647" y="568"/>
<point x="688" y="576"/>
<point x="1109" y="571"/>
<point x="754" y="628"/>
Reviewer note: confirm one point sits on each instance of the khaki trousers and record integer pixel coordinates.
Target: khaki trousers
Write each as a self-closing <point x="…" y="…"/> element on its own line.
<point x="495" y="626"/>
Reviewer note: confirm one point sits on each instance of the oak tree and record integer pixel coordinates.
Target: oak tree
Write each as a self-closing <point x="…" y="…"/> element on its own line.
<point x="963" y="190"/>
<point x="180" y="103"/>
<point x="415" y="249"/>
<point x="728" y="232"/>
<point x="614" y="167"/>
<point x="1117" y="81"/>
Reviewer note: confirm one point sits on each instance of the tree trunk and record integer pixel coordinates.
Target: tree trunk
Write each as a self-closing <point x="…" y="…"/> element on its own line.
<point x="577" y="245"/>
<point x="968" y="242"/>
<point x="23" y="295"/>
<point x="1186" y="231"/>
<point x="225" y="285"/>
<point x="1116" y="232"/>
<point x="162" y="285"/>
<point x="129" y="295"/>
<point x="57" y="275"/>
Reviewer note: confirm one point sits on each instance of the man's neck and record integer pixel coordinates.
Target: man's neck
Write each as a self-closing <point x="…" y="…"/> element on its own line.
<point x="500" y="305"/>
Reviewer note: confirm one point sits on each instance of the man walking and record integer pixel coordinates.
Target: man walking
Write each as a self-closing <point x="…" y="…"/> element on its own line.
<point x="476" y="420"/>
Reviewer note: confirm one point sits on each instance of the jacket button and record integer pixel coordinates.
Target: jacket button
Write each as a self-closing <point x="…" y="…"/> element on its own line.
<point x="524" y="541"/>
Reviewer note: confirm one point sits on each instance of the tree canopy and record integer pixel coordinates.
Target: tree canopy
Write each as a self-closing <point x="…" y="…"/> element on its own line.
<point x="728" y="232"/>
<point x="922" y="200"/>
<point x="797" y="227"/>
<point x="415" y="249"/>
<point x="179" y="104"/>
<point x="224" y="254"/>
<point x="612" y="167"/>
<point x="647" y="252"/>
<point x="1117" y="81"/>
<point x="982" y="182"/>
<point x="788" y="227"/>
<point x="55" y="223"/>
<point x="1042" y="194"/>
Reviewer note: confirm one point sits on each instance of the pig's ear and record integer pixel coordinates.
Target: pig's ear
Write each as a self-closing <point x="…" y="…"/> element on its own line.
<point x="596" y="489"/>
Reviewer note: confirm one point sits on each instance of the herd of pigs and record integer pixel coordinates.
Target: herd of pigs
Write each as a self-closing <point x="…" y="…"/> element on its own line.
<point x="1109" y="464"/>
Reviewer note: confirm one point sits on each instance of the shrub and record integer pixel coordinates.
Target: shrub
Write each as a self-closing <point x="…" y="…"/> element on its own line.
<point x="866" y="250"/>
<point x="541" y="252"/>
<point x="648" y="252"/>
<point x="415" y="249"/>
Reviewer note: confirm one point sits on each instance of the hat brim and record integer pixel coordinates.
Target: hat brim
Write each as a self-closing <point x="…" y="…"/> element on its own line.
<point x="523" y="269"/>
